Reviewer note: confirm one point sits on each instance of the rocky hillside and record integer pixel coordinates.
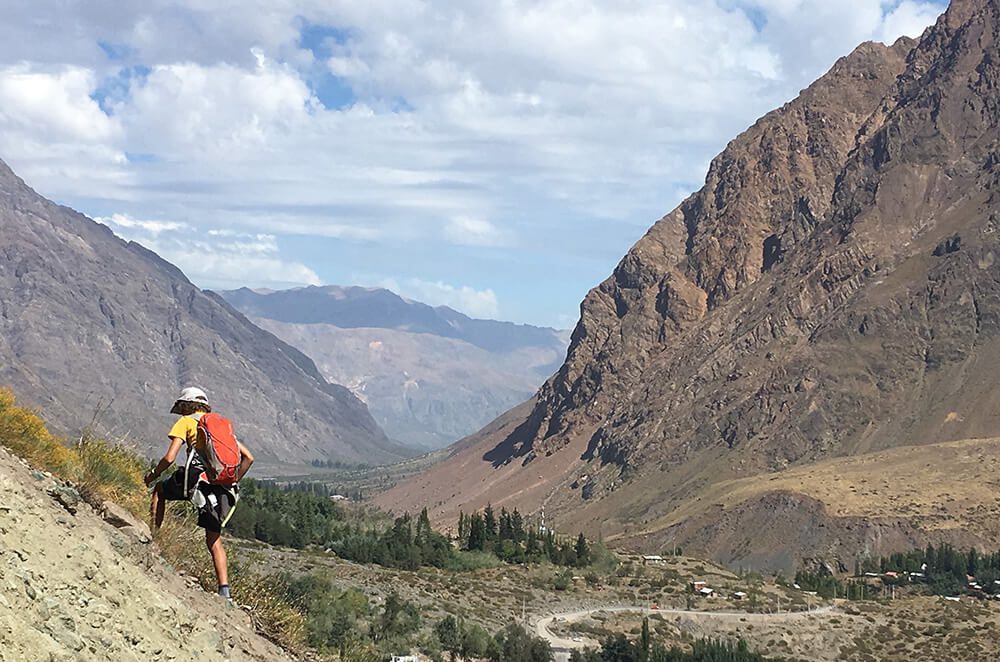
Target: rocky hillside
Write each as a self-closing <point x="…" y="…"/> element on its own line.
<point x="832" y="290"/>
<point x="74" y="587"/>
<point x="92" y="324"/>
<point x="428" y="375"/>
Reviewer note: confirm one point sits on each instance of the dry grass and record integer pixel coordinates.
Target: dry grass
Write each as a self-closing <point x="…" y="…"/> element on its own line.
<point x="949" y="485"/>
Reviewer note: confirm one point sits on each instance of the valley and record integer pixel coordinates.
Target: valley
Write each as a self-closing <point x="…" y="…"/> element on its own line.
<point x="773" y="433"/>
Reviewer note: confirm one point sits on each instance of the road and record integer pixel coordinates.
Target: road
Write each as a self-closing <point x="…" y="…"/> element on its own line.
<point x="562" y="647"/>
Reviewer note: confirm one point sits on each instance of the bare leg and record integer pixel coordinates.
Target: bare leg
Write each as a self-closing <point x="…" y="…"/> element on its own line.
<point x="213" y="541"/>
<point x="157" y="506"/>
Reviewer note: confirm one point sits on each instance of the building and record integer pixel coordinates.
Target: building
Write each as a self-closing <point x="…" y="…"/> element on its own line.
<point x="706" y="592"/>
<point x="696" y="586"/>
<point x="654" y="559"/>
<point x="739" y="595"/>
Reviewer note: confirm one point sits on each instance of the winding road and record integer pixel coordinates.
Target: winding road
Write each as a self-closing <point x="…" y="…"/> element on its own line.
<point x="562" y="647"/>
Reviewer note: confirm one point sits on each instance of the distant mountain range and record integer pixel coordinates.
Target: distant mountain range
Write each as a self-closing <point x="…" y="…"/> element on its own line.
<point x="430" y="375"/>
<point x="90" y="323"/>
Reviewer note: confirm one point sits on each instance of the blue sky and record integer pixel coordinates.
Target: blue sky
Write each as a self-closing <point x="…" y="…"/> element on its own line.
<point x="496" y="157"/>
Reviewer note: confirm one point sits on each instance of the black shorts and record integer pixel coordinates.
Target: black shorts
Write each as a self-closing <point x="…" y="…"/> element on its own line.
<point x="220" y="502"/>
<point x="219" y="507"/>
<point x="173" y="486"/>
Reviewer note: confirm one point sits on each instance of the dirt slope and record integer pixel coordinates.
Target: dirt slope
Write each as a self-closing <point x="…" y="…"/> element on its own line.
<point x="74" y="588"/>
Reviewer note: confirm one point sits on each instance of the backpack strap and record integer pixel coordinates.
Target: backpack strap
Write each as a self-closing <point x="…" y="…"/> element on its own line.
<point x="187" y="470"/>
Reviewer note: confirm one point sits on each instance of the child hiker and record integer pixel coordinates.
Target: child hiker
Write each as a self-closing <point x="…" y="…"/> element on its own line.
<point x="216" y="461"/>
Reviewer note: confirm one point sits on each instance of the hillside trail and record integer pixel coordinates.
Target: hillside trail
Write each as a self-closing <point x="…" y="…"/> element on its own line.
<point x="73" y="587"/>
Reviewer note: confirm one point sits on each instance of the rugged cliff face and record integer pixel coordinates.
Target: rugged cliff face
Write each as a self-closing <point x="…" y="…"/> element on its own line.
<point x="92" y="324"/>
<point x="832" y="290"/>
<point x="669" y="309"/>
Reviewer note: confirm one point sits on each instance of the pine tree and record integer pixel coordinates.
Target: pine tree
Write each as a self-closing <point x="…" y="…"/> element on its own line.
<point x="517" y="525"/>
<point x="477" y="533"/>
<point x="644" y="641"/>
<point x="490" y="522"/>
<point x="582" y="551"/>
<point x="531" y="544"/>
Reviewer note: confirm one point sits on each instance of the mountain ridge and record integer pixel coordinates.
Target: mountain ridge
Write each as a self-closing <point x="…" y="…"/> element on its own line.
<point x="429" y="375"/>
<point x="375" y="307"/>
<point x="830" y="291"/>
<point x="130" y="330"/>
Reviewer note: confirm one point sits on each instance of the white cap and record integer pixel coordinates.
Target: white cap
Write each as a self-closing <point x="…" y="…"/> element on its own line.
<point x="190" y="394"/>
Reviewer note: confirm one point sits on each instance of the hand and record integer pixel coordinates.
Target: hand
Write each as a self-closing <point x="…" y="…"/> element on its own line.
<point x="149" y="478"/>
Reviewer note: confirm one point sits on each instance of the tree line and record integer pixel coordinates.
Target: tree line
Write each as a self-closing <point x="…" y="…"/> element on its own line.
<point x="618" y="648"/>
<point x="302" y="515"/>
<point x="512" y="539"/>
<point x="932" y="570"/>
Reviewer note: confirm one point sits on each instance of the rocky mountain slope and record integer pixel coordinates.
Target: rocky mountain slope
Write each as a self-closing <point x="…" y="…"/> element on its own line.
<point x="832" y="290"/>
<point x="73" y="587"/>
<point x="91" y="323"/>
<point x="428" y="375"/>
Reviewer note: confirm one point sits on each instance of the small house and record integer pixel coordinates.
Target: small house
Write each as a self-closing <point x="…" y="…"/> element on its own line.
<point x="654" y="559"/>
<point x="739" y="595"/>
<point x="696" y="586"/>
<point x="706" y="592"/>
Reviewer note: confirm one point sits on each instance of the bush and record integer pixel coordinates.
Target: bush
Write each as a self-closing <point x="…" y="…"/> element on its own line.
<point x="23" y="432"/>
<point x="111" y="472"/>
<point x="466" y="561"/>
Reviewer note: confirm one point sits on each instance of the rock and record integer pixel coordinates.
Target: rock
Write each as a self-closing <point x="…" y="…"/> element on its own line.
<point x="124" y="521"/>
<point x="65" y="496"/>
<point x="950" y="245"/>
<point x="207" y="641"/>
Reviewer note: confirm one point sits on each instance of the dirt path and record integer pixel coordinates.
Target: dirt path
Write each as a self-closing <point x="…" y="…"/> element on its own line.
<point x="562" y="647"/>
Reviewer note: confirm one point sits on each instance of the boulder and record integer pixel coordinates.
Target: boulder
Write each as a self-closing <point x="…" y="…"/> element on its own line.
<point x="125" y="522"/>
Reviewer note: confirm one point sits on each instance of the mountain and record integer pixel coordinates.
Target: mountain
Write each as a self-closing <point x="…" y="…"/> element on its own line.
<point x="833" y="291"/>
<point x="93" y="325"/>
<point x="428" y="375"/>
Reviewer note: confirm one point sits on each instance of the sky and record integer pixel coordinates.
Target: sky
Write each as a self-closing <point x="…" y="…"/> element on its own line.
<point x="497" y="157"/>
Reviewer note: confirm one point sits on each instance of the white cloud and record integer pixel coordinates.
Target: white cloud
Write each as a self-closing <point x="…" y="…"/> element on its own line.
<point x="56" y="104"/>
<point x="125" y="222"/>
<point x="908" y="19"/>
<point x="508" y="120"/>
<point x="220" y="258"/>
<point x="219" y="112"/>
<point x="473" y="231"/>
<point x="463" y="298"/>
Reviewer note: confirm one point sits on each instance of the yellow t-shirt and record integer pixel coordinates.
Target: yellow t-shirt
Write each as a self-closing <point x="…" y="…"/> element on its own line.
<point x="186" y="428"/>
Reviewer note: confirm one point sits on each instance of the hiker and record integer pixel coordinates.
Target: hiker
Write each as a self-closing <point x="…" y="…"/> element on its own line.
<point x="216" y="461"/>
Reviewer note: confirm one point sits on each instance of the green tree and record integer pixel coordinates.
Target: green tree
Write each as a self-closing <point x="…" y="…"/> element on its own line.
<point x="582" y="551"/>
<point x="477" y="533"/>
<point x="617" y="648"/>
<point x="644" y="641"/>
<point x="517" y="645"/>
<point x="449" y="633"/>
<point x="490" y="524"/>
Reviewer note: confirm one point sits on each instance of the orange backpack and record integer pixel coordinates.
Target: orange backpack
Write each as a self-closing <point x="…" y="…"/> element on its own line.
<point x="217" y="446"/>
